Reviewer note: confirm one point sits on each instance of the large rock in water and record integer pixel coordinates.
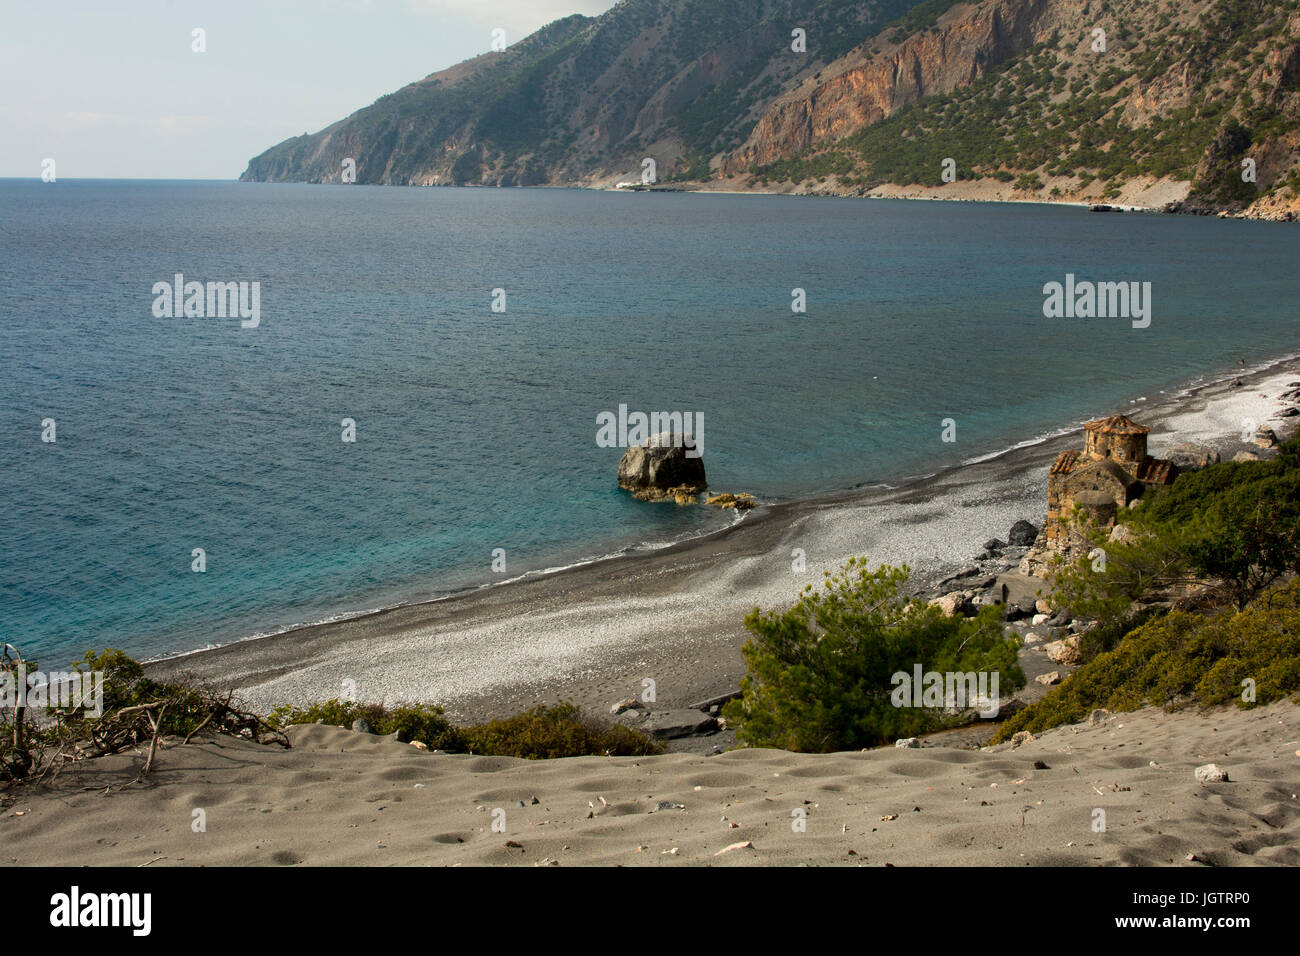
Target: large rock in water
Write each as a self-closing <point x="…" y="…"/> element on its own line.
<point x="661" y="469"/>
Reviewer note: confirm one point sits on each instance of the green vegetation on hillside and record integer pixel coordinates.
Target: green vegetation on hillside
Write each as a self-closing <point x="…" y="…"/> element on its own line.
<point x="1222" y="544"/>
<point x="1183" y="658"/>
<point x="1047" y="113"/>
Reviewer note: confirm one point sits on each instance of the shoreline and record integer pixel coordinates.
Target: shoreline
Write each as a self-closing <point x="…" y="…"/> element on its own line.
<point x="546" y="569"/>
<point x="590" y="632"/>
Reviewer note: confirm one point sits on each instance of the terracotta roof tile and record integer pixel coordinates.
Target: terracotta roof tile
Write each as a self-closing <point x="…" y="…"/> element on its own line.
<point x="1118" y="425"/>
<point x="1065" y="462"/>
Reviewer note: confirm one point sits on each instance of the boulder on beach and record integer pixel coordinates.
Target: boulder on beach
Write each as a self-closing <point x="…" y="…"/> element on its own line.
<point x="1022" y="534"/>
<point x="1192" y="457"/>
<point x="953" y="603"/>
<point x="1064" y="651"/>
<point x="1265" y="437"/>
<point x="666" y="467"/>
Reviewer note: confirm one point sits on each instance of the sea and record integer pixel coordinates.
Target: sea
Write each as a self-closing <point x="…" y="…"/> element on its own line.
<point x="412" y="410"/>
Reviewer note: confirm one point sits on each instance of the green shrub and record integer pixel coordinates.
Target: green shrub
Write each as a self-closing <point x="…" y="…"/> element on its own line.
<point x="558" y="731"/>
<point x="820" y="673"/>
<point x="542" y="732"/>
<point x="422" y="722"/>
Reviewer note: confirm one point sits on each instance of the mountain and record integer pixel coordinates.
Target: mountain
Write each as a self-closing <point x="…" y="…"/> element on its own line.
<point x="1145" y="101"/>
<point x="585" y="98"/>
<point x="1091" y="100"/>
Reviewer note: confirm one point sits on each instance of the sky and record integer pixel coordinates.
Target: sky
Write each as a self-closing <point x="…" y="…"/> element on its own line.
<point x="114" y="89"/>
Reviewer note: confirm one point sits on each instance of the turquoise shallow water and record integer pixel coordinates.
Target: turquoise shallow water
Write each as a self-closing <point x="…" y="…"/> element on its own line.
<point x="476" y="430"/>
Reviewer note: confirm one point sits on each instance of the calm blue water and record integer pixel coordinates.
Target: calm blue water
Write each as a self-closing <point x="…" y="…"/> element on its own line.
<point x="476" y="430"/>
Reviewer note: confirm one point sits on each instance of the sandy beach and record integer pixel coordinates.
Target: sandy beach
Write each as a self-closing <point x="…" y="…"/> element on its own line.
<point x="345" y="798"/>
<point x="591" y="634"/>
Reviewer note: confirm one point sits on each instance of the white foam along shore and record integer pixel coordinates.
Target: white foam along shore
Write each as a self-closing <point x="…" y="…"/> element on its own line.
<point x="590" y="632"/>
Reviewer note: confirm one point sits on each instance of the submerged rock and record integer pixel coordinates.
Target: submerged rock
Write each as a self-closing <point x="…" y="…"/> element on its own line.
<point x="667" y="466"/>
<point x="741" y="502"/>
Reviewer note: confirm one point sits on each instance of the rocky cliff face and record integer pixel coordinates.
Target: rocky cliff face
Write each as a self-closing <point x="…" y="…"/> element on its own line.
<point x="962" y="47"/>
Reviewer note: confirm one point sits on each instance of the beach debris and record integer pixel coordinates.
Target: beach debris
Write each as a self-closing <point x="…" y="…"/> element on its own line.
<point x="625" y="705"/>
<point x="1048" y="679"/>
<point x="889" y="816"/>
<point x="1040" y="765"/>
<point x="419" y="745"/>
<point x="904" y="743"/>
<point x="1211" y="773"/>
<point x="672" y="852"/>
<point x="535" y="801"/>
<point x="1020" y="737"/>
<point x="746" y="845"/>
<point x="1098" y="716"/>
<point x="668" y="805"/>
<point x="714" y="704"/>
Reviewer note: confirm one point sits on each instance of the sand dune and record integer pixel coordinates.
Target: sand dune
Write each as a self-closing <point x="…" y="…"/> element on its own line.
<point x="340" y="797"/>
